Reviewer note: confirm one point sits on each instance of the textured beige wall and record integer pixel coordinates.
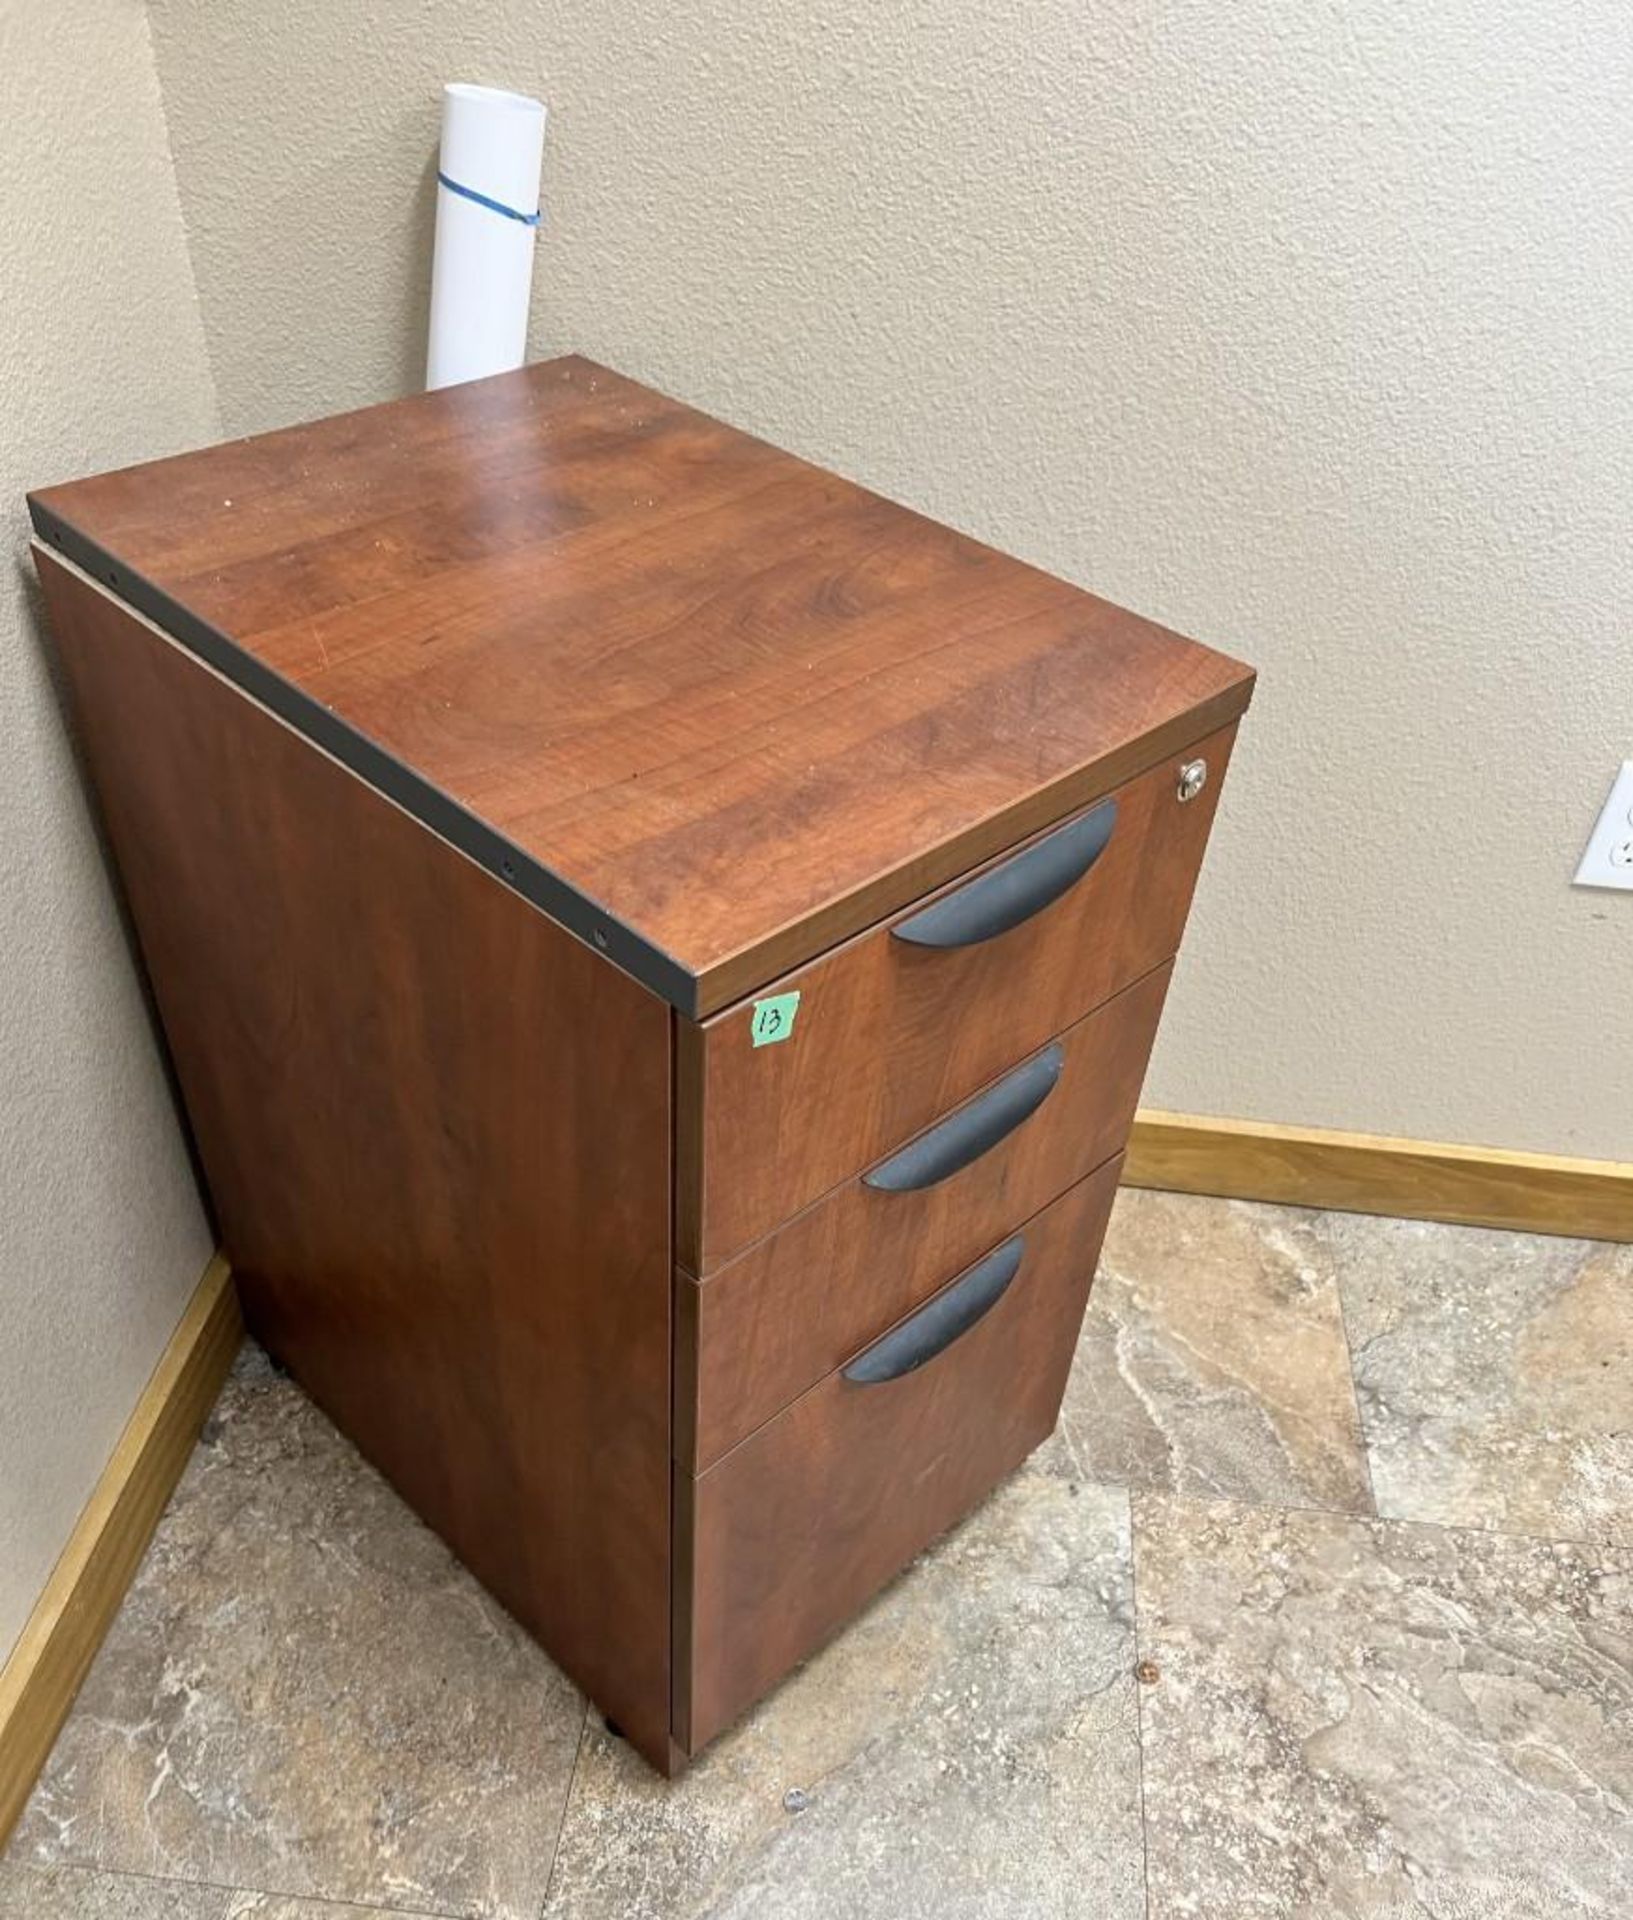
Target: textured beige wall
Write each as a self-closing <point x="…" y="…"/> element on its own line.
<point x="101" y="362"/>
<point x="1303" y="328"/>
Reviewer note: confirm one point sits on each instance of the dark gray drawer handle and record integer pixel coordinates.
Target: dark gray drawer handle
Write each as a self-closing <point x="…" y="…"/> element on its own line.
<point x="1020" y="887"/>
<point x="974" y="1130"/>
<point x="935" y="1327"/>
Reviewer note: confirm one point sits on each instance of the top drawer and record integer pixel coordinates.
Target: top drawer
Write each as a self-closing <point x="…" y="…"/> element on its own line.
<point x="905" y="1021"/>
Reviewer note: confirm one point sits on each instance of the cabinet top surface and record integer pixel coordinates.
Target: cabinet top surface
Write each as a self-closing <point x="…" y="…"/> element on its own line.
<point x="672" y="680"/>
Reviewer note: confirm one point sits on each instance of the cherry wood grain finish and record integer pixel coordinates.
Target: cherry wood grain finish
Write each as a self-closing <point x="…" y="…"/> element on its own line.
<point x="799" y="1525"/>
<point x="782" y="1315"/>
<point x="493" y="750"/>
<point x="737" y="705"/>
<point x="436" y="1132"/>
<point x="888" y="1036"/>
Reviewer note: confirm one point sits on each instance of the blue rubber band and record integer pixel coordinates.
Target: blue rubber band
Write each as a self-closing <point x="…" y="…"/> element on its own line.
<point x="482" y="200"/>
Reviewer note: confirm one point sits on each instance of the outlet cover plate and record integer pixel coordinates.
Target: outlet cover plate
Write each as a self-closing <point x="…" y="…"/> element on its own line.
<point x="1607" y="860"/>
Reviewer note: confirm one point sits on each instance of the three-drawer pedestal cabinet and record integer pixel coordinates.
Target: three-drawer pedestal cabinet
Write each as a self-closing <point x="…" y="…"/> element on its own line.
<point x="659" y="948"/>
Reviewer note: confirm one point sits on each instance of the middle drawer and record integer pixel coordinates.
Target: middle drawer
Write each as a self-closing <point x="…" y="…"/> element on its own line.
<point x="758" y="1331"/>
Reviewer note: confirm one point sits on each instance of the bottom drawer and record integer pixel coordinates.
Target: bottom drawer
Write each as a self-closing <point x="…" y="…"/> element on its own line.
<point x="796" y="1527"/>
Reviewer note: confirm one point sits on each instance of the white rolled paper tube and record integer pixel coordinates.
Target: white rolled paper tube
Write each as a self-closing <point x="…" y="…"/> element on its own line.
<point x="487" y="223"/>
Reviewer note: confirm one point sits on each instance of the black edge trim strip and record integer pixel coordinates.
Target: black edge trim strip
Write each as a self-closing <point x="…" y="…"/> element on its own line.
<point x="537" y="885"/>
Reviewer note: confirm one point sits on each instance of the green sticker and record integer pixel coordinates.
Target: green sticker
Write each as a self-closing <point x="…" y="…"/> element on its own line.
<point x="774" y="1018"/>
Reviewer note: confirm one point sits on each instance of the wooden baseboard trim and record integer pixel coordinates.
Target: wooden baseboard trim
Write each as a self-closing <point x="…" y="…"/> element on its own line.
<point x="44" y="1671"/>
<point x="1370" y="1173"/>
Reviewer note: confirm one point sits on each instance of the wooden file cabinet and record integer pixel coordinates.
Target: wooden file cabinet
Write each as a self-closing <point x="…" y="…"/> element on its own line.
<point x="659" y="948"/>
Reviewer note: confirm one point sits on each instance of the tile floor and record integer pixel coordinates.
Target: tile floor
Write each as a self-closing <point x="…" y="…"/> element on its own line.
<point x="1360" y="1493"/>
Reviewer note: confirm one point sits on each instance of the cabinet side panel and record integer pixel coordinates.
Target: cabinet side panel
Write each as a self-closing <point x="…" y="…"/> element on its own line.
<point x="436" y="1129"/>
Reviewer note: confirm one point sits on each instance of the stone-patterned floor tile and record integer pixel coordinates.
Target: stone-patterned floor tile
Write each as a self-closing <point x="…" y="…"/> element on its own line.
<point x="78" y="1893"/>
<point x="968" y="1747"/>
<point x="1368" y="1718"/>
<point x="244" y="1905"/>
<point x="1213" y="1358"/>
<point x="304" y="1692"/>
<point x="1495" y="1373"/>
<point x="82" y="1893"/>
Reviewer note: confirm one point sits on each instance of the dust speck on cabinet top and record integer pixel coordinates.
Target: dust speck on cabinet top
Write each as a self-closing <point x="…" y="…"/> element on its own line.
<point x="712" y="707"/>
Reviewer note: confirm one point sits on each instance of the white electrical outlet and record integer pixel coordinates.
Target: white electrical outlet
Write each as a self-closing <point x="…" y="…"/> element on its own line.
<point x="1608" y="858"/>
